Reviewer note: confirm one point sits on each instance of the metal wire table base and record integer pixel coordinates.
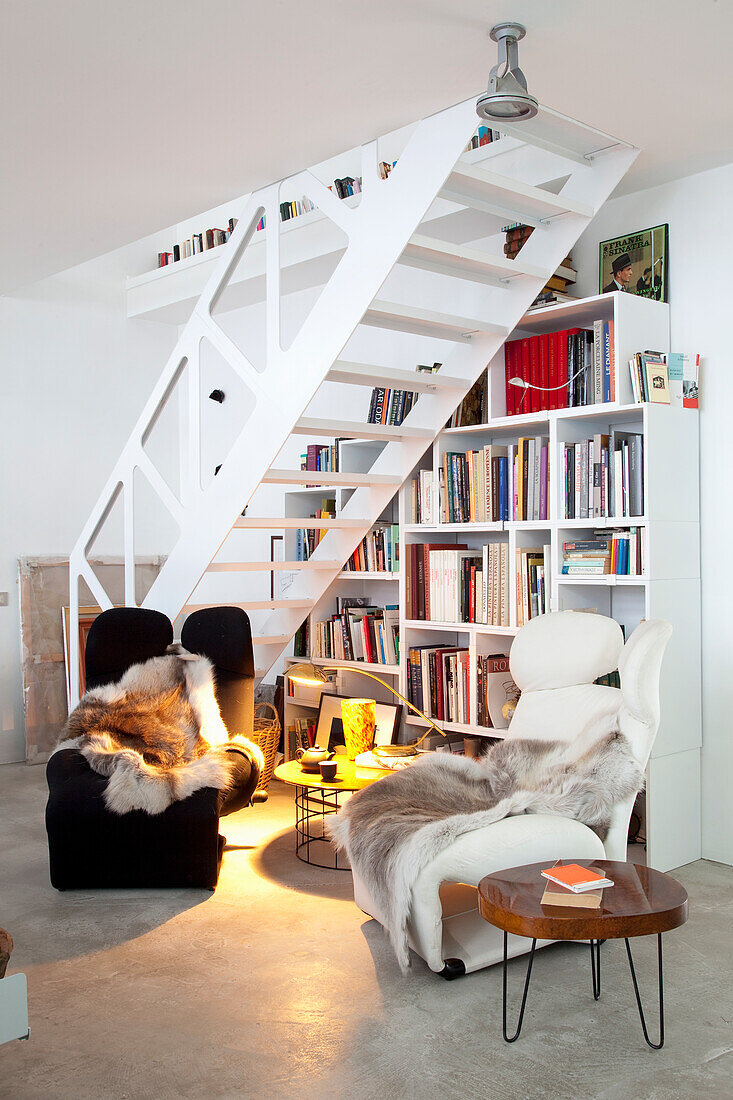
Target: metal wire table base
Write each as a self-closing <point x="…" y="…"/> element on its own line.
<point x="312" y="807"/>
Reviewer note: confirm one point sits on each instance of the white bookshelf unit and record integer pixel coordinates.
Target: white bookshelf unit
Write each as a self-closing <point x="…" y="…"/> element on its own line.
<point x="669" y="588"/>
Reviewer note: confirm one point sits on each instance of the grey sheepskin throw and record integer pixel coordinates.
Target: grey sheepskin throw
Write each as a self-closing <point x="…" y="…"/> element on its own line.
<point x="157" y="734"/>
<point x="392" y="829"/>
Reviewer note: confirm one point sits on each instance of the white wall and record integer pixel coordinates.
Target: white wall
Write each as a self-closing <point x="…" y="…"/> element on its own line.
<point x="700" y="240"/>
<point x="75" y="374"/>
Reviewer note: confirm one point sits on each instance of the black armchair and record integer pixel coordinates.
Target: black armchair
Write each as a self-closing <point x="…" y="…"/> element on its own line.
<point x="89" y="847"/>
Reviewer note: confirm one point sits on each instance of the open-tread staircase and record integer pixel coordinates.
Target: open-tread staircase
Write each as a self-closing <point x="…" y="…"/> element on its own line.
<point x="555" y="183"/>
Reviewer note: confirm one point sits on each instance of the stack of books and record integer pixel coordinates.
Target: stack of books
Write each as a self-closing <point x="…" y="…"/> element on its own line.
<point x="378" y="552"/>
<point x="438" y="682"/>
<point x="533" y="582"/>
<point x="455" y="584"/>
<point x="620" y="553"/>
<point x="355" y="633"/>
<point x="573" y="367"/>
<point x="572" y="885"/>
<point x="672" y="379"/>
<point x="197" y="242"/>
<point x="604" y="476"/>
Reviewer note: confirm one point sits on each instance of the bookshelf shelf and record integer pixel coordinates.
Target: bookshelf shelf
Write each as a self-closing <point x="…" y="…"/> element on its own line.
<point x="387" y="670"/>
<point x="458" y="727"/>
<point x="365" y="575"/>
<point x="607" y="580"/>
<point x="459" y="628"/>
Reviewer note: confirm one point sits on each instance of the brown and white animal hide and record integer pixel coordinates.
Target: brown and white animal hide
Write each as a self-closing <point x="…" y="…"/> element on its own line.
<point x="391" y="830"/>
<point x="157" y="733"/>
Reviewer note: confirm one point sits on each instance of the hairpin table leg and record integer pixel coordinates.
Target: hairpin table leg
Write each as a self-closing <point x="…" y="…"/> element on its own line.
<point x="512" y="1038"/>
<point x="595" y="964"/>
<point x="660" y="1044"/>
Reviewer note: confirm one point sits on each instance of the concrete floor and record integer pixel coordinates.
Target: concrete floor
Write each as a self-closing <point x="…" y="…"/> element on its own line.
<point x="277" y="986"/>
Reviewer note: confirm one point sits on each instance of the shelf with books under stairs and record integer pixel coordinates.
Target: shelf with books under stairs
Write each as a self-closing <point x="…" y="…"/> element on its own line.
<point x="499" y="559"/>
<point x="367" y="589"/>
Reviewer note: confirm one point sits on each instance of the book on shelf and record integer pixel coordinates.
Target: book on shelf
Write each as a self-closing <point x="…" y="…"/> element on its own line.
<point x="474" y="408"/>
<point x="390" y="407"/>
<point x="533" y="582"/>
<point x="197" y="242"/>
<point x="571" y="876"/>
<point x="438" y="682"/>
<point x="604" y="476"/>
<point x="571" y="368"/>
<point x="665" y="379"/>
<point x="452" y="583"/>
<point x="301" y="735"/>
<point x="308" y="538"/>
<point x="494" y="687"/>
<point x="369" y="635"/>
<point x="378" y="552"/>
<point x="483" y="136"/>
<point x="608" y="552"/>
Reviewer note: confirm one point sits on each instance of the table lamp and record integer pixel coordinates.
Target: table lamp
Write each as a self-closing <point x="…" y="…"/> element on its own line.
<point x="310" y="675"/>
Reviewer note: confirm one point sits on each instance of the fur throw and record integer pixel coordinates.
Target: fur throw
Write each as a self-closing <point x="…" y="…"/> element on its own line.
<point x="157" y="733"/>
<point x="392" y="829"/>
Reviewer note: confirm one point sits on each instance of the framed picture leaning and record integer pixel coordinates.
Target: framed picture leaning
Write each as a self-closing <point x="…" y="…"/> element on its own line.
<point x="636" y="263"/>
<point x="330" y="731"/>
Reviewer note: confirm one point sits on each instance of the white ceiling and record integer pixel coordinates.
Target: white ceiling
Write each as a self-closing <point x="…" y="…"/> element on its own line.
<point x="120" y="119"/>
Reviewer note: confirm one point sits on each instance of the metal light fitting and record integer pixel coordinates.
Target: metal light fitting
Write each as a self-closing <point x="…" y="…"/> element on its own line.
<point x="506" y="99"/>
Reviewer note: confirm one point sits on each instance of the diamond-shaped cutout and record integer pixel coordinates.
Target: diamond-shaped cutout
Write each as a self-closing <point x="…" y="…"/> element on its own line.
<point x="306" y="269"/>
<point x="161" y="440"/>
<point x="221" y="422"/>
<point x="105" y="550"/>
<point x="155" y="532"/>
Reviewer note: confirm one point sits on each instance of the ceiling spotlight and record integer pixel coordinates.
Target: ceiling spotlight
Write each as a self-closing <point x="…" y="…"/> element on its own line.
<point x="506" y="99"/>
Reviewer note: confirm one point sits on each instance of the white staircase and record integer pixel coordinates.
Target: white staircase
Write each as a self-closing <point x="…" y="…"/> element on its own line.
<point x="554" y="175"/>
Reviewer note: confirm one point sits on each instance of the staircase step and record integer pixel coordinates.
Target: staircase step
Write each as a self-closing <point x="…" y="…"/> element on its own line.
<point x="363" y="374"/>
<point x="295" y="523"/>
<point x="460" y="262"/>
<point x="309" y="425"/>
<point x="507" y="198"/>
<point x="254" y="605"/>
<point x="426" y="322"/>
<point x="271" y="639"/>
<point x="323" y="477"/>
<point x="270" y="566"/>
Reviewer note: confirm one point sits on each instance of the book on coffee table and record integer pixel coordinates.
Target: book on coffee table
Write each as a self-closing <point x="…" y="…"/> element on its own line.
<point x="572" y="876"/>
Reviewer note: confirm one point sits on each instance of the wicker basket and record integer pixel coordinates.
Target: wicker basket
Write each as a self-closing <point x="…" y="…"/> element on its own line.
<point x="266" y="734"/>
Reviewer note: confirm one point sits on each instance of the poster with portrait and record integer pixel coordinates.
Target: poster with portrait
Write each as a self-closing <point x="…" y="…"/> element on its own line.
<point x="636" y="263"/>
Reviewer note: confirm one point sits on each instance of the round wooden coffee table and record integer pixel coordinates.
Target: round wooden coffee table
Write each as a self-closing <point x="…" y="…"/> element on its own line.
<point x="316" y="798"/>
<point x="641" y="902"/>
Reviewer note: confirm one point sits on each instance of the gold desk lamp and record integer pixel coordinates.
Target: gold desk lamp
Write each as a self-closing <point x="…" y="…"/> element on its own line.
<point x="310" y="675"/>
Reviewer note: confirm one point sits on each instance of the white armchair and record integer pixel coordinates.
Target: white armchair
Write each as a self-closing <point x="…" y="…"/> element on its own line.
<point x="554" y="660"/>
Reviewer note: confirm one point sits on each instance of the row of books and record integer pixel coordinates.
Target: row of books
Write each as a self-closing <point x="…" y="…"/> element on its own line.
<point x="571" y="368"/>
<point x="604" y="476"/>
<point x="438" y="682"/>
<point x="321" y="457"/>
<point x="452" y="583"/>
<point x="620" y="553"/>
<point x="483" y="136"/>
<point x="392" y="406"/>
<point x="378" y="552"/>
<point x="198" y="242"/>
<point x="672" y="379"/>
<point x="494" y="484"/>
<point x="301" y="735"/>
<point x="533" y="582"/>
<point x="308" y="538"/>
<point x="364" y="634"/>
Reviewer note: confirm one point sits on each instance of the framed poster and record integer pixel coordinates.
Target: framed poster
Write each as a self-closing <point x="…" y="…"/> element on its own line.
<point x="636" y="263"/>
<point x="330" y="731"/>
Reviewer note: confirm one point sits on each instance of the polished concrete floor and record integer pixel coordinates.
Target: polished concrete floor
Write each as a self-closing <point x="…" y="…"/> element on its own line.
<point x="277" y="986"/>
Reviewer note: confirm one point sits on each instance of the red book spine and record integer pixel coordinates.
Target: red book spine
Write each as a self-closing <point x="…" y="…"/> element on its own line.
<point x="525" y="400"/>
<point x="561" y="339"/>
<point x="552" y="370"/>
<point x="535" y="396"/>
<point x="544" y="342"/>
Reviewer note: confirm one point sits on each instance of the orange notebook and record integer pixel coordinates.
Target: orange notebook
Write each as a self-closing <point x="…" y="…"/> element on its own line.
<point x="575" y="878"/>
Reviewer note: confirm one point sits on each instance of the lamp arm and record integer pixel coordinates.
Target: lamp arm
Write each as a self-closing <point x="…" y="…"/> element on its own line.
<point x="411" y="706"/>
